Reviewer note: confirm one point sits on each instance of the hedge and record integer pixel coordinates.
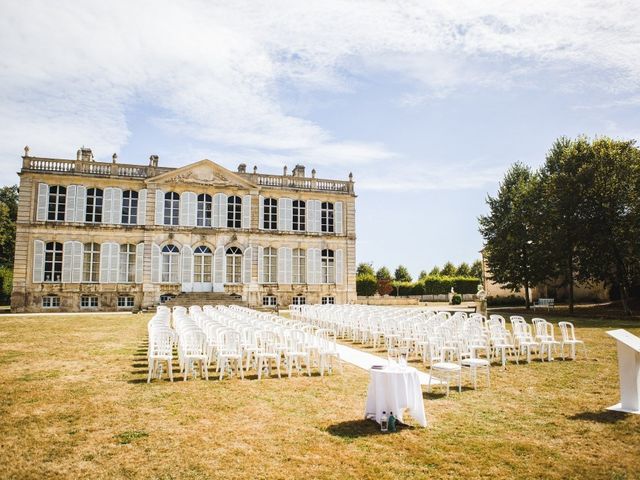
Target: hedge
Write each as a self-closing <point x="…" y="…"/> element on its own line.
<point x="366" y="285"/>
<point x="437" y="285"/>
<point x="510" y="301"/>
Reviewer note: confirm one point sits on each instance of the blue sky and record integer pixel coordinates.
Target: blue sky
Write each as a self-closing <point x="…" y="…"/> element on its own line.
<point x="427" y="103"/>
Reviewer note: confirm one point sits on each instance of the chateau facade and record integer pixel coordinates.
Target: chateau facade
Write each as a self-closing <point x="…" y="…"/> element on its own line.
<point x="109" y="236"/>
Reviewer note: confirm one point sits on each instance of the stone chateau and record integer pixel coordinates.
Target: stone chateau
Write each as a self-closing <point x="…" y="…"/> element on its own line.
<point x="107" y="236"/>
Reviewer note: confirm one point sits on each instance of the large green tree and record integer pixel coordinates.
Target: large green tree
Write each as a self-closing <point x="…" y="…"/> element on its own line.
<point x="402" y="274"/>
<point x="476" y="269"/>
<point x="448" y="270"/>
<point x="435" y="271"/>
<point x="463" y="270"/>
<point x="383" y="273"/>
<point x="8" y="215"/>
<point x="365" y="269"/>
<point x="513" y="234"/>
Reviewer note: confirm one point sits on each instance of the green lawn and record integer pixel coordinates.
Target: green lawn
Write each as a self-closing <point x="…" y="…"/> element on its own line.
<point x="74" y="402"/>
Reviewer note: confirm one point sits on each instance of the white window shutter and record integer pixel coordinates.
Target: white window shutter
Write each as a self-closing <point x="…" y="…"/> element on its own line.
<point x="281" y="214"/>
<point x="313" y="216"/>
<point x="114" y="262"/>
<point x="318" y="265"/>
<point x="187" y="268"/>
<point x="105" y="256"/>
<point x="70" y="210"/>
<point x="220" y="210"/>
<point x="67" y="261"/>
<point x="337" y="219"/>
<point x="188" y="204"/>
<point x="156" y="258"/>
<point x="310" y="266"/>
<point x="38" y="259"/>
<point x="261" y="213"/>
<point x="218" y="265"/>
<point x="317" y="204"/>
<point x="139" y="262"/>
<point x="81" y="203"/>
<point x="246" y="259"/>
<point x="107" y="205"/>
<point x="159" y="207"/>
<point x="260" y="263"/>
<point x="246" y="211"/>
<point x="339" y="267"/>
<point x="288" y="265"/>
<point x="116" y="207"/>
<point x="282" y="265"/>
<point x="76" y="272"/>
<point x="288" y="220"/>
<point x="142" y="207"/>
<point x="43" y="203"/>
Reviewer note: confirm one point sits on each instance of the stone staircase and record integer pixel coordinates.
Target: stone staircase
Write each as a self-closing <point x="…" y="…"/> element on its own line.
<point x="205" y="298"/>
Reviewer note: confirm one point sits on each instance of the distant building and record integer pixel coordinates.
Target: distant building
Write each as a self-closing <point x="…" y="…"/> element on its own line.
<point x="106" y="236"/>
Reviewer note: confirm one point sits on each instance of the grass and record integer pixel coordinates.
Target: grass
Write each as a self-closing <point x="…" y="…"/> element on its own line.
<point x="74" y="403"/>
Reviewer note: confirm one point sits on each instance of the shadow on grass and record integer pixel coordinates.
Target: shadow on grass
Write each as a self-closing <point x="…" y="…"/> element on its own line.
<point x="361" y="428"/>
<point x="605" y="416"/>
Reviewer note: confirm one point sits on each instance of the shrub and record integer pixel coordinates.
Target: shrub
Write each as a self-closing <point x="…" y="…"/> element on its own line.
<point x="510" y="301"/>
<point x="384" y="286"/>
<point x="466" y="284"/>
<point x="6" y="285"/>
<point x="366" y="285"/>
<point x="456" y="299"/>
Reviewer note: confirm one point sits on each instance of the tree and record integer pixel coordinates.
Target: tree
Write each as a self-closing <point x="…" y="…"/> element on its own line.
<point x="435" y="271"/>
<point x="383" y="274"/>
<point x="402" y="274"/>
<point x="513" y="247"/>
<point x="476" y="269"/>
<point x="448" y="270"/>
<point x="384" y="286"/>
<point x="8" y="216"/>
<point x="423" y="275"/>
<point x="366" y="285"/>
<point x="365" y="269"/>
<point x="463" y="270"/>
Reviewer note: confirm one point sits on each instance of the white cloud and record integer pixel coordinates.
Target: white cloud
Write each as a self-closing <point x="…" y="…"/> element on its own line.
<point x="69" y="70"/>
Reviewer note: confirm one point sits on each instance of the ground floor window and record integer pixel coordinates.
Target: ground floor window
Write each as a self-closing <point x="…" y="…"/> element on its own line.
<point x="51" y="301"/>
<point x="88" y="301"/>
<point x="299" y="300"/>
<point x="125" y="301"/>
<point x="166" y="297"/>
<point x="269" y="301"/>
<point x="328" y="300"/>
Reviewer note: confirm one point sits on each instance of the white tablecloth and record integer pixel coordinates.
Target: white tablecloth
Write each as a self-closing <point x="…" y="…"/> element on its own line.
<point x="393" y="389"/>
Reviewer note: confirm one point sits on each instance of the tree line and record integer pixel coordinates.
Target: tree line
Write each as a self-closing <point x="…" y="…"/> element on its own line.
<point x="575" y="219"/>
<point x="8" y="216"/>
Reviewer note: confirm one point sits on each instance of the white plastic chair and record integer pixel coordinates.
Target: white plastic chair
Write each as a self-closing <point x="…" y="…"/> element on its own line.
<point x="161" y="341"/>
<point x="569" y="338"/>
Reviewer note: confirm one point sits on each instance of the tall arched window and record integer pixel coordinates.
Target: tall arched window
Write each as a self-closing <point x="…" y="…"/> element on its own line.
<point x="130" y="207"/>
<point x="202" y="261"/>
<point x="270" y="214"/>
<point x="205" y="209"/>
<point x="91" y="262"/>
<point x="53" y="262"/>
<point x="328" y="266"/>
<point x="171" y="208"/>
<point x="299" y="216"/>
<point x="234" y="212"/>
<point x="94" y="205"/>
<point x="270" y="265"/>
<point x="234" y="265"/>
<point x="170" y="264"/>
<point x="326" y="217"/>
<point x="127" y="264"/>
<point x="57" y="203"/>
<point x="299" y="266"/>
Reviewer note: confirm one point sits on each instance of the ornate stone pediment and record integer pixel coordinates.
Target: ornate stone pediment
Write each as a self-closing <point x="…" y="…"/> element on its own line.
<point x="204" y="172"/>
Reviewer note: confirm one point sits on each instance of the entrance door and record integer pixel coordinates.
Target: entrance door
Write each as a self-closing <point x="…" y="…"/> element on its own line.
<point x="202" y="269"/>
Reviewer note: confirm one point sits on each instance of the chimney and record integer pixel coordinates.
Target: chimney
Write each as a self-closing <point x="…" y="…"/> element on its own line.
<point x="86" y="154"/>
<point x="242" y="168"/>
<point x="153" y="160"/>
<point x="298" y="171"/>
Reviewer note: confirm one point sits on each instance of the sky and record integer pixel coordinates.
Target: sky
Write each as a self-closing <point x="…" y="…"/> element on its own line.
<point x="426" y="102"/>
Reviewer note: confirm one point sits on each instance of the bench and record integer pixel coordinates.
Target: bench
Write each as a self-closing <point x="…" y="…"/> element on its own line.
<point x="547" y="303"/>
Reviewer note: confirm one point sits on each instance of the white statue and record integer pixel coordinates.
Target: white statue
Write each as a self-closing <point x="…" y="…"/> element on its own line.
<point x="481" y="294"/>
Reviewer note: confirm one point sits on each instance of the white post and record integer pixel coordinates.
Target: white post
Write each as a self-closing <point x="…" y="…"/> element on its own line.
<point x="629" y="367"/>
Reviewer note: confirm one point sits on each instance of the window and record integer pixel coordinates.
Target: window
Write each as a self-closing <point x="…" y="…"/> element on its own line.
<point x="298" y="269"/>
<point x="202" y="264"/>
<point x="130" y="207"/>
<point x="269" y="301"/>
<point x="205" y="207"/>
<point x="88" y="301"/>
<point x="299" y="300"/>
<point x="50" y="301"/>
<point x="94" y="205"/>
<point x="170" y="262"/>
<point x="91" y="263"/>
<point x="125" y="301"/>
<point x="234" y="212"/>
<point x="270" y="265"/>
<point x="234" y="265"/>
<point x="53" y="262"/>
<point x="164" y="298"/>
<point x="57" y="203"/>
<point x="299" y="216"/>
<point x="171" y="208"/>
<point x="270" y="214"/>
<point x="127" y="272"/>
<point x="326" y="217"/>
<point x="328" y="300"/>
<point x="328" y="267"/>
